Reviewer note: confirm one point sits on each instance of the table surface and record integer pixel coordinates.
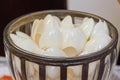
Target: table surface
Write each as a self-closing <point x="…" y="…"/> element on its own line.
<point x="5" y="71"/>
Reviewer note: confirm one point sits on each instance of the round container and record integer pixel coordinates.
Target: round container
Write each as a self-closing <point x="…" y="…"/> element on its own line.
<point x="25" y="65"/>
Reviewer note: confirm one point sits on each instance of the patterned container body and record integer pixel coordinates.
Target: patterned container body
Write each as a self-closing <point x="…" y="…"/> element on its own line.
<point x="25" y="65"/>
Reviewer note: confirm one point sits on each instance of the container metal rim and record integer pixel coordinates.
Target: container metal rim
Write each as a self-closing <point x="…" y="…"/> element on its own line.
<point x="26" y="54"/>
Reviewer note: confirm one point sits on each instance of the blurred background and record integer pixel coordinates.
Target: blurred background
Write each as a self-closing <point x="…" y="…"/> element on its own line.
<point x="10" y="9"/>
